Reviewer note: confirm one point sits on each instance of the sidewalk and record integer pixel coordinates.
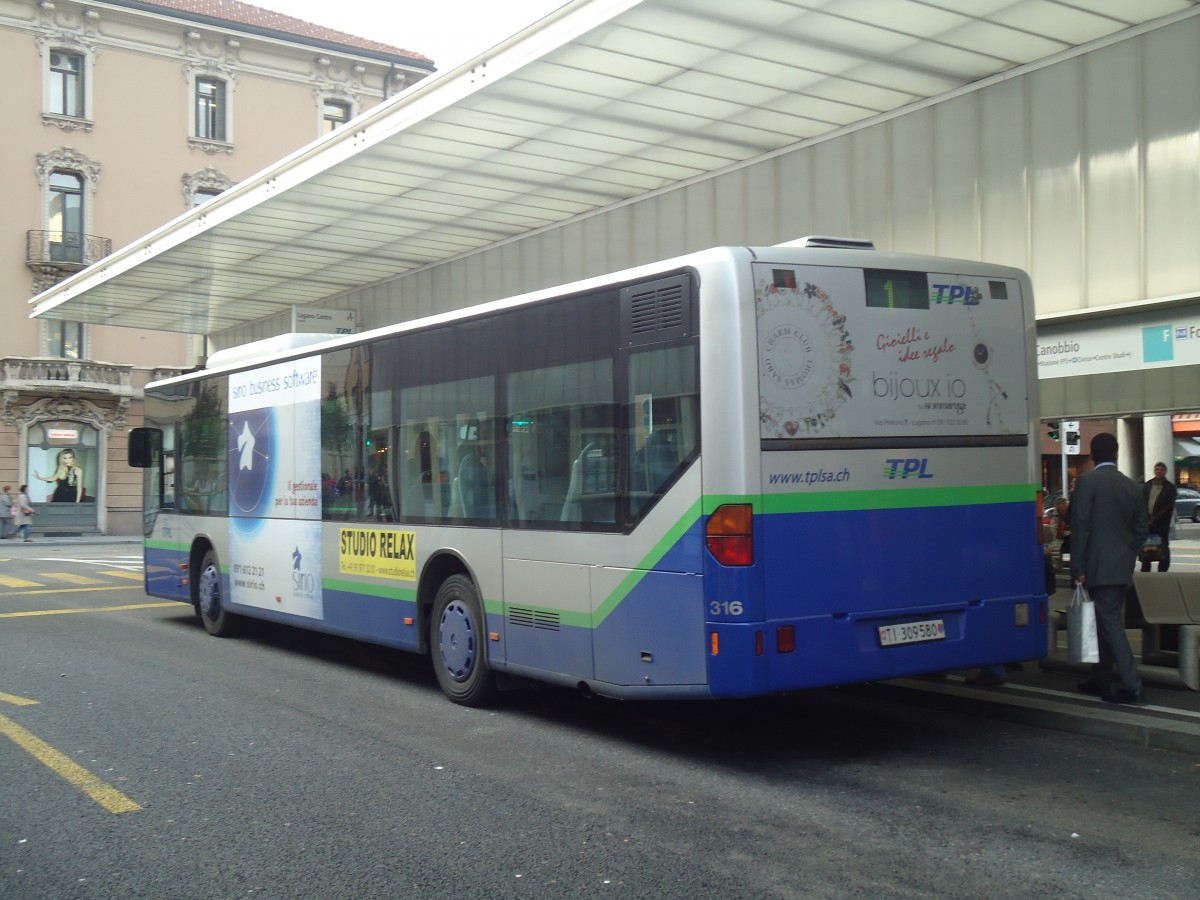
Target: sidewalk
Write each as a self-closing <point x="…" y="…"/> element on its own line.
<point x="43" y="540"/>
<point x="1045" y="693"/>
<point x="1049" y="698"/>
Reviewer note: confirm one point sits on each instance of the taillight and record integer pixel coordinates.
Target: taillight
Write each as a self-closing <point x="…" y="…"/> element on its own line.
<point x="785" y="638"/>
<point x="729" y="534"/>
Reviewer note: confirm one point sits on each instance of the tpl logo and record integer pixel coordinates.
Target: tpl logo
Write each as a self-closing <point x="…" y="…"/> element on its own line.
<point x="905" y="468"/>
<point x="956" y="293"/>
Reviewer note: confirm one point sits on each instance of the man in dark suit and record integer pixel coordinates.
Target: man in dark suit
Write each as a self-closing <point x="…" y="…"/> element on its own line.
<point x="1108" y="528"/>
<point x="1159" y="497"/>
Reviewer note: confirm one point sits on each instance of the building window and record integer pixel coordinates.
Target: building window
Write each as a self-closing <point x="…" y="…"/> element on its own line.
<point x="200" y="187"/>
<point x="334" y="114"/>
<point x="203" y="196"/>
<point x="64" y="217"/>
<point x="64" y="339"/>
<point x="211" y="109"/>
<point x="211" y="89"/>
<point x="66" y="84"/>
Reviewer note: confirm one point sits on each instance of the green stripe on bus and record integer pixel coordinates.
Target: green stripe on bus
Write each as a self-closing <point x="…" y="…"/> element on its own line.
<point x="151" y="544"/>
<point x="577" y="619"/>
<point x="712" y="501"/>
<point x="648" y="562"/>
<point x="388" y="592"/>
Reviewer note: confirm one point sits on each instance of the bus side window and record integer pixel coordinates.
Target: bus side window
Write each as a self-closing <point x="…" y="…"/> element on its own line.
<point x="561" y="468"/>
<point x="664" y="421"/>
<point x="448" y="454"/>
<point x="202" y="453"/>
<point x="167" y="474"/>
<point x="416" y="472"/>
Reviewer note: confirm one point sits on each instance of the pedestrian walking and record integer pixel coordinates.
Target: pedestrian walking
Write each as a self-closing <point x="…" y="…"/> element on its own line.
<point x="1108" y="529"/>
<point x="24" y="514"/>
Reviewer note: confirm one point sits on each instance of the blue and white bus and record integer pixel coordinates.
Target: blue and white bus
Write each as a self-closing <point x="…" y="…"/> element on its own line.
<point x="738" y="472"/>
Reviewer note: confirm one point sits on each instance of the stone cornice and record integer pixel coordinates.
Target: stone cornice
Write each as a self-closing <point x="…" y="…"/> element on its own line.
<point x="69" y="23"/>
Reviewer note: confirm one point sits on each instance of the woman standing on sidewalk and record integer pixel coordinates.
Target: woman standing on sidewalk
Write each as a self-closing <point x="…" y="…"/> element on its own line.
<point x="7" y="512"/>
<point x="24" y="514"/>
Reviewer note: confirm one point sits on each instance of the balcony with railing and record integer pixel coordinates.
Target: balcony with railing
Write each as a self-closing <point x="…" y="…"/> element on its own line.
<point x="62" y="253"/>
<point x="77" y="377"/>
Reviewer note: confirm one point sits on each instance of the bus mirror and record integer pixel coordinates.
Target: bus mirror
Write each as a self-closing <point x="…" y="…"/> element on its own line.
<point x="145" y="447"/>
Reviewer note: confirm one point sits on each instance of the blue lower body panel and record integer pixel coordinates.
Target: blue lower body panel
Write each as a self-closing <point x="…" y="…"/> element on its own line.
<point x="167" y="575"/>
<point x="825" y="583"/>
<point x="830" y="651"/>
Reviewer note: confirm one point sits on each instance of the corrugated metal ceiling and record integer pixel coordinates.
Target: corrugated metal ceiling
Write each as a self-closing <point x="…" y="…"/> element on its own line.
<point x="598" y="103"/>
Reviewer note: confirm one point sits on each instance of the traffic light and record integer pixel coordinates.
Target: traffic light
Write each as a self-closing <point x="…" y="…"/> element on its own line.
<point x="1054" y="433"/>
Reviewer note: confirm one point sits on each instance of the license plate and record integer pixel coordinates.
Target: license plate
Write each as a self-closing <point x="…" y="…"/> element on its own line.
<point x="912" y="632"/>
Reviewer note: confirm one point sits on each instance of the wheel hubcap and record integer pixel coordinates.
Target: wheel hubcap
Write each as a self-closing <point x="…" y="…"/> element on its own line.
<point x="456" y="641"/>
<point x="210" y="593"/>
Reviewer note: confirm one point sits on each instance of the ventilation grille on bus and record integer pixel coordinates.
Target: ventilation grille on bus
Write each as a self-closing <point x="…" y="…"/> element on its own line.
<point x="652" y="310"/>
<point x="533" y="618"/>
<point x="656" y="311"/>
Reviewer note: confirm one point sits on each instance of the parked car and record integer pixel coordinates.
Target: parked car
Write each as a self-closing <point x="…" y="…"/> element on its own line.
<point x="1187" y="504"/>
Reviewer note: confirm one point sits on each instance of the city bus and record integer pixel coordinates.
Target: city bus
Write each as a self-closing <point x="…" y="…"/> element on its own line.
<point x="739" y="472"/>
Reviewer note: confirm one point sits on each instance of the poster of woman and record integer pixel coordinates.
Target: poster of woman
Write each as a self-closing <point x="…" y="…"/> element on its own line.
<point x="67" y="479"/>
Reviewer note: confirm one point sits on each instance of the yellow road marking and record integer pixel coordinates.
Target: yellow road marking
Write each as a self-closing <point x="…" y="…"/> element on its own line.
<point x="10" y="581"/>
<point x="89" y="590"/>
<point x="72" y="578"/>
<point x="120" y="573"/>
<point x="108" y="797"/>
<point x="63" y="612"/>
<point x="17" y="701"/>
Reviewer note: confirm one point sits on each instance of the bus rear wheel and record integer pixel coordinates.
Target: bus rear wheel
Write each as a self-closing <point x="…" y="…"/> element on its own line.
<point x="458" y="642"/>
<point x="217" y="620"/>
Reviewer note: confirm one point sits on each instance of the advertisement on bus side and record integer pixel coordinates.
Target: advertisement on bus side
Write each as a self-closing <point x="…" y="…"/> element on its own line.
<point x="275" y="487"/>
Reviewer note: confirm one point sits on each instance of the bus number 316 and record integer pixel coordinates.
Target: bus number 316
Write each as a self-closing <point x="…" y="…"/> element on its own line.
<point x="726" y="608"/>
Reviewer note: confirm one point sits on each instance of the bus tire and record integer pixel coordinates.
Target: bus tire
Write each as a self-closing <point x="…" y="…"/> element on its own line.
<point x="458" y="643"/>
<point x="218" y="621"/>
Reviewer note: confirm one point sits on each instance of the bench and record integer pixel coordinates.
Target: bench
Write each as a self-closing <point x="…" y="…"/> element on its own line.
<point x="1156" y="601"/>
<point x="1166" y="600"/>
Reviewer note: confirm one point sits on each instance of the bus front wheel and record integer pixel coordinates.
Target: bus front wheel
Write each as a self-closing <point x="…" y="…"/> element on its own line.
<point x="217" y="620"/>
<point x="457" y="638"/>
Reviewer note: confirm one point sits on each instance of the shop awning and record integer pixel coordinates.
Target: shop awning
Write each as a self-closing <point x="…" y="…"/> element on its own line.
<point x="1187" y="453"/>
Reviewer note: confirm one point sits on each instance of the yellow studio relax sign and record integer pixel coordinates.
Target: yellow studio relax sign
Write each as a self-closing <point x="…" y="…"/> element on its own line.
<point x="378" y="553"/>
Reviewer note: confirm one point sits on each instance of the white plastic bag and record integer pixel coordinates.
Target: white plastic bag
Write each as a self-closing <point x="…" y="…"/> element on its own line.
<point x="1083" y="646"/>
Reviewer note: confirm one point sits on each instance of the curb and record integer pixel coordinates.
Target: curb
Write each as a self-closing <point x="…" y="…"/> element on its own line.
<point x="1157" y="727"/>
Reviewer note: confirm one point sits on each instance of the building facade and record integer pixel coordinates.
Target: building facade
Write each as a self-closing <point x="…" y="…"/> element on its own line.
<point x="122" y="116"/>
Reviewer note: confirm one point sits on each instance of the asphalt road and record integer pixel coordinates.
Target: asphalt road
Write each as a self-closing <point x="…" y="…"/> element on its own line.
<point x="284" y="764"/>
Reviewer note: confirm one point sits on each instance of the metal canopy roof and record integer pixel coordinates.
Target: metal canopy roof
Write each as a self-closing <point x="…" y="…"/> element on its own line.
<point x="600" y="102"/>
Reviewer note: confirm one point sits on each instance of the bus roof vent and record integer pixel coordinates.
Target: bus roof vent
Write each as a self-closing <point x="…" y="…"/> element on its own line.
<point x="825" y="241"/>
<point x="659" y="310"/>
